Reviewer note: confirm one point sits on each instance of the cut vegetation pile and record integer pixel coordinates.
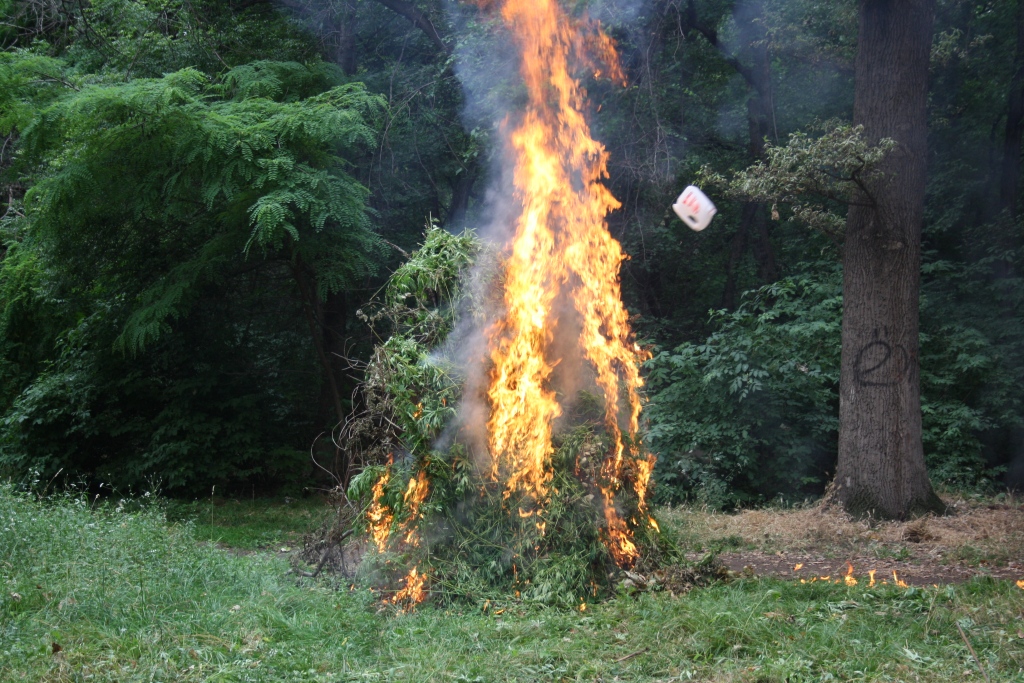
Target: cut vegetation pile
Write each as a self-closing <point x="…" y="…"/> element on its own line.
<point x="435" y="518"/>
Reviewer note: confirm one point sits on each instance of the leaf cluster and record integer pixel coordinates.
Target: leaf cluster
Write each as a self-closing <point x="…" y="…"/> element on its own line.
<point x="815" y="173"/>
<point x="163" y="214"/>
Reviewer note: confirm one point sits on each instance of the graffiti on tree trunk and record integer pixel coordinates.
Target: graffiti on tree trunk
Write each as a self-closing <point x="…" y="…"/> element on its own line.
<point x="881" y="363"/>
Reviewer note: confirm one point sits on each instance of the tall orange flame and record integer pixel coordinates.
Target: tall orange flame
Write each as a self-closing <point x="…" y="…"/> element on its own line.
<point x="562" y="249"/>
<point x="379" y="515"/>
<point x="414" y="495"/>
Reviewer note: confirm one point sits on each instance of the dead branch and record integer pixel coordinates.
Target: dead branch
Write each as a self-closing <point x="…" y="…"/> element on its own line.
<point x="323" y="559"/>
<point x="973" y="653"/>
<point x="631" y="655"/>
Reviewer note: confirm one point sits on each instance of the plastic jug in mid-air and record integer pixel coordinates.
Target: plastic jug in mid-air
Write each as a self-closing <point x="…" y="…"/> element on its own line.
<point x="694" y="208"/>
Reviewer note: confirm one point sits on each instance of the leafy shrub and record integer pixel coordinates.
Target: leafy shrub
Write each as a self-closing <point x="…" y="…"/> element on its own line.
<point x="148" y="317"/>
<point x="972" y="367"/>
<point x="752" y="411"/>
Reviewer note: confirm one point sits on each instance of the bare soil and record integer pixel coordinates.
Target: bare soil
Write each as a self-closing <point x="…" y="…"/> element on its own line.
<point x="978" y="538"/>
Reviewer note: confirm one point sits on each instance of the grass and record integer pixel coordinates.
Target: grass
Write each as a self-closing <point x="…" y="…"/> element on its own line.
<point x="250" y="524"/>
<point x="129" y="597"/>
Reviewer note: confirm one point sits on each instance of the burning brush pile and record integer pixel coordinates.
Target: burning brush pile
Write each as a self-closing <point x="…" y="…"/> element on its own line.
<point x="500" y="434"/>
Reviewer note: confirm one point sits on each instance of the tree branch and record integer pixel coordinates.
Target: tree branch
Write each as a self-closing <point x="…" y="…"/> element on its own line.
<point x="692" y="23"/>
<point x="413" y="14"/>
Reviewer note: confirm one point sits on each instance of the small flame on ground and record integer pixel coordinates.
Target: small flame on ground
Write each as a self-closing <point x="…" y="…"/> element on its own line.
<point x="848" y="578"/>
<point x="1020" y="584"/>
<point x="413" y="593"/>
<point x="798" y="566"/>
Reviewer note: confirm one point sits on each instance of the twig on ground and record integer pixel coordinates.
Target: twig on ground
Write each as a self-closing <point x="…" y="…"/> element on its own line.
<point x="631" y="655"/>
<point x="323" y="559"/>
<point x="973" y="653"/>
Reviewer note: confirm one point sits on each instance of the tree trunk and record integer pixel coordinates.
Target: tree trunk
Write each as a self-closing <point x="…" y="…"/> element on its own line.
<point x="737" y="247"/>
<point x="755" y="68"/>
<point x="1009" y="180"/>
<point x="325" y="344"/>
<point x="345" y="45"/>
<point x="881" y="470"/>
<point x="335" y="314"/>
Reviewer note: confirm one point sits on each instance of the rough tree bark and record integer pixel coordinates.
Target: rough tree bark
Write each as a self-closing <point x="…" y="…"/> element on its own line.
<point x="881" y="470"/>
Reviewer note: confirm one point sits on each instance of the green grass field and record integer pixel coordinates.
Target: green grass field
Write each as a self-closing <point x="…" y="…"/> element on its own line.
<point x="250" y="524"/>
<point x="129" y="596"/>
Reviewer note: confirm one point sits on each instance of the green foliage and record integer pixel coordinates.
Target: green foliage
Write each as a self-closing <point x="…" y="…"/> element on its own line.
<point x="147" y="38"/>
<point x="476" y="543"/>
<point x="751" y="411"/>
<point x="423" y="295"/>
<point x="972" y="374"/>
<point x="409" y="391"/>
<point x="192" y="163"/>
<point x="815" y="176"/>
<point x="174" y="205"/>
<point x="472" y="540"/>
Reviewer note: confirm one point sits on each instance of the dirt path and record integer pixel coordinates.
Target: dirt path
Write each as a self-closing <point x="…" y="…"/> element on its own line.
<point x="816" y="567"/>
<point x="980" y="538"/>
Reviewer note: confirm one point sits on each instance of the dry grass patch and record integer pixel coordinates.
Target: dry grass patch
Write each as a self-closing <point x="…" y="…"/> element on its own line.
<point x="978" y="532"/>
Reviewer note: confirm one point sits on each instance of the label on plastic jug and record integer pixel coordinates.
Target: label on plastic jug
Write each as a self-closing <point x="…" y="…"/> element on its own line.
<point x="694" y="208"/>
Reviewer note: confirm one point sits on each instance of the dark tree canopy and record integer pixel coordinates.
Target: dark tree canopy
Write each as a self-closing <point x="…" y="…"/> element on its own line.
<point x="200" y="200"/>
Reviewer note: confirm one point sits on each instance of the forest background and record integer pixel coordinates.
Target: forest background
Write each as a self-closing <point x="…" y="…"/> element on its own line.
<point x="200" y="201"/>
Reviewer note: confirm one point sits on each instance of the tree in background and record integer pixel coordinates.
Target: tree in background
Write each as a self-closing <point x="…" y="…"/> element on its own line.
<point x="103" y="369"/>
<point x="881" y="469"/>
<point x="183" y="194"/>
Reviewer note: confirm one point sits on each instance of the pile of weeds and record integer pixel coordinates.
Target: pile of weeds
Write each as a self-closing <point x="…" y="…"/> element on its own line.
<point x="473" y="541"/>
<point x="435" y="499"/>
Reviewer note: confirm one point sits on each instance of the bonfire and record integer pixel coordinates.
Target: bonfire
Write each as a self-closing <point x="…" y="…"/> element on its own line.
<point x="520" y="472"/>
